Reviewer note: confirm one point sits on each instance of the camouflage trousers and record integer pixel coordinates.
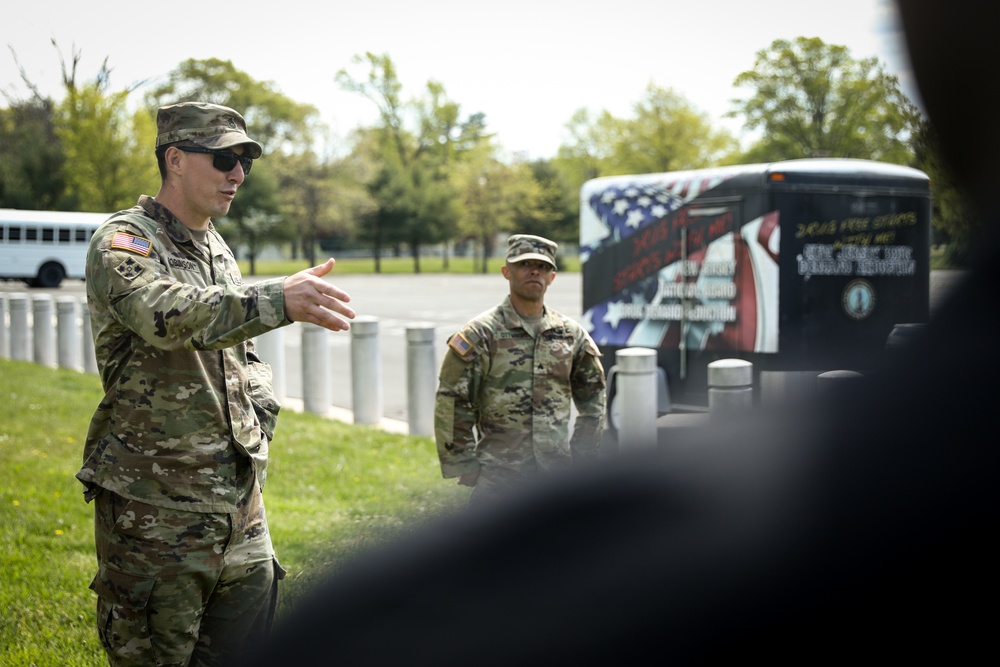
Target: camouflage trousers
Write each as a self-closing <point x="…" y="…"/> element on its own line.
<point x="495" y="484"/>
<point x="182" y="588"/>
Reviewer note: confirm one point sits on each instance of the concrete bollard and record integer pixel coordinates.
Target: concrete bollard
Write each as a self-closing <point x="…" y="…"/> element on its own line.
<point x="43" y="330"/>
<point x="20" y="332"/>
<point x="87" y="347"/>
<point x="317" y="389"/>
<point x="421" y="377"/>
<point x="366" y="371"/>
<point x="68" y="345"/>
<point x="4" y="328"/>
<point x="271" y="349"/>
<point x="637" y="379"/>
<point x="730" y="387"/>
<point x="837" y="383"/>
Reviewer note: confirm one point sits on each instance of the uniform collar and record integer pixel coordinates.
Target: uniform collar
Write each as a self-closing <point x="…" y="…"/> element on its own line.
<point x="549" y="318"/>
<point x="174" y="228"/>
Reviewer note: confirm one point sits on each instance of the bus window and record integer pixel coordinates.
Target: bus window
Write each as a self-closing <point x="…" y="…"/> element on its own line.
<point x="13" y="233"/>
<point x="81" y="235"/>
<point x="64" y="236"/>
<point x="30" y="233"/>
<point x="48" y="235"/>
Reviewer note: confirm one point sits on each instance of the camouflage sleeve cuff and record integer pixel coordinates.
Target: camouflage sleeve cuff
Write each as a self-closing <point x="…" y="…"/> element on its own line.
<point x="271" y="302"/>
<point x="458" y="469"/>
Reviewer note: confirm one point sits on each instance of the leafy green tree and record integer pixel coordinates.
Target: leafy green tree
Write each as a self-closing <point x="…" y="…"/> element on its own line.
<point x="390" y="146"/>
<point x="496" y="198"/>
<point x="557" y="204"/>
<point x="94" y="152"/>
<point x="414" y="190"/>
<point x="323" y="199"/>
<point x="955" y="219"/>
<point x="252" y="223"/>
<point x="665" y="133"/>
<point x="32" y="168"/>
<point x="812" y="99"/>
<point x="278" y="202"/>
<point x="275" y="120"/>
<point x="108" y="147"/>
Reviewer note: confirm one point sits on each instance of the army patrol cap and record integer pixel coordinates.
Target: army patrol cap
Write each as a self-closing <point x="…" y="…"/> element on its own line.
<point x="522" y="247"/>
<point x="208" y="125"/>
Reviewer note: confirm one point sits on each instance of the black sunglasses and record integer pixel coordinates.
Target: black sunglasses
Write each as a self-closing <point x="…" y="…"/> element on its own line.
<point x="222" y="160"/>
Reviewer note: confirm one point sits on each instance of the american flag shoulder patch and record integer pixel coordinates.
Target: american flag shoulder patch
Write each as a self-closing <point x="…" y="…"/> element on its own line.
<point x="136" y="244"/>
<point x="459" y="343"/>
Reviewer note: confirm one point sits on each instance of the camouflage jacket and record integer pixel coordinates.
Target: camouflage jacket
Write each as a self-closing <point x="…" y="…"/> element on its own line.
<point x="188" y="409"/>
<point x="515" y="391"/>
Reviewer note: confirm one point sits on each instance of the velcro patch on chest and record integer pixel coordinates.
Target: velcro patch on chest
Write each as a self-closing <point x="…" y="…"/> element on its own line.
<point x="136" y="244"/>
<point x="459" y="343"/>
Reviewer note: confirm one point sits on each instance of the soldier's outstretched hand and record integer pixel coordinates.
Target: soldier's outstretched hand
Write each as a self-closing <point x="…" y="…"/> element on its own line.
<point x="309" y="298"/>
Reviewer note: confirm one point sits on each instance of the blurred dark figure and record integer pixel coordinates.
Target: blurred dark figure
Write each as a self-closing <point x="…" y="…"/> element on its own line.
<point x="860" y="530"/>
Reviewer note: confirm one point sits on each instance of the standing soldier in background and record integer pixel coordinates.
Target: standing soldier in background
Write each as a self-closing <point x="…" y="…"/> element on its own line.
<point x="508" y="380"/>
<point x="176" y="455"/>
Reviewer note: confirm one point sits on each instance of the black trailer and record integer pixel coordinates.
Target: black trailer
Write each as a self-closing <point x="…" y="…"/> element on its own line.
<point x="800" y="266"/>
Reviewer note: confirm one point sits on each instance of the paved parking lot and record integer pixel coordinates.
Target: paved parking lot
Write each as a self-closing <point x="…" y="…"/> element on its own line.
<point x="444" y="301"/>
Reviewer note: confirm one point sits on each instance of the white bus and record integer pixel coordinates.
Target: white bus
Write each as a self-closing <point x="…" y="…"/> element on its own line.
<point x="43" y="247"/>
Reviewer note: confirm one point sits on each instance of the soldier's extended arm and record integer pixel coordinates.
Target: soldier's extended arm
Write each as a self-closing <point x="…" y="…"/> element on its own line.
<point x="172" y="315"/>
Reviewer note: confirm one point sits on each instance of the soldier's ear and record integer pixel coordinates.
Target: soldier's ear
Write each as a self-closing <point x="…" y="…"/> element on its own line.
<point x="172" y="158"/>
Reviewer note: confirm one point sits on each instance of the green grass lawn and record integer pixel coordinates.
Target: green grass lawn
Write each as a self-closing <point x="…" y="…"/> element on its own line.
<point x="333" y="491"/>
<point x="366" y="265"/>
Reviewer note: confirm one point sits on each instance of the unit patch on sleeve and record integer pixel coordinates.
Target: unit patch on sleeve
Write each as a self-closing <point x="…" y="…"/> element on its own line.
<point x="136" y="244"/>
<point x="129" y="269"/>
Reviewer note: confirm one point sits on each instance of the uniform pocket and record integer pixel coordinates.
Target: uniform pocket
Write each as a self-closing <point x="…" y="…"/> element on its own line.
<point x="122" y="616"/>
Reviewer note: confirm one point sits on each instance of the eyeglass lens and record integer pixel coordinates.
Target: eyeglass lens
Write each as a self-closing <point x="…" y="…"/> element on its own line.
<point x="223" y="160"/>
<point x="226" y="160"/>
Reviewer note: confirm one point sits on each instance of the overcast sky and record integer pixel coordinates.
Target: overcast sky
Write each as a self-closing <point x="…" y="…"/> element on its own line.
<point x="527" y="64"/>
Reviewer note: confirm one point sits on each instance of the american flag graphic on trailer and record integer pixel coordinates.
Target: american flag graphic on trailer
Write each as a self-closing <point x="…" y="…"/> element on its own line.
<point x="622" y="210"/>
<point x="630" y="228"/>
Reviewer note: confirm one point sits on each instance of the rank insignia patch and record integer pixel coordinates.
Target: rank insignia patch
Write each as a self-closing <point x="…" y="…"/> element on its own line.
<point x="136" y="244"/>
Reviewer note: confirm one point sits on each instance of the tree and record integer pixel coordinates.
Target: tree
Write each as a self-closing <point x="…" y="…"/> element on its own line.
<point x="108" y="146"/>
<point x="32" y="168"/>
<point x="416" y="200"/>
<point x="390" y="145"/>
<point x="275" y="120"/>
<point x="955" y="219"/>
<point x="496" y="198"/>
<point x="251" y="224"/>
<point x="323" y="198"/>
<point x="665" y="133"/>
<point x="88" y="152"/>
<point x="811" y="99"/>
<point x="557" y="205"/>
<point x="276" y="201"/>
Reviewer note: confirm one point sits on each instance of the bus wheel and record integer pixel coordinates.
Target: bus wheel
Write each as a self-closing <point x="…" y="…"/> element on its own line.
<point x="49" y="275"/>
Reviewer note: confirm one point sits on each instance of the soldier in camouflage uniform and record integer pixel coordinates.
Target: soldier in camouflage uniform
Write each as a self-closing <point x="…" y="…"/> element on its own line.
<point x="503" y="401"/>
<point x="176" y="454"/>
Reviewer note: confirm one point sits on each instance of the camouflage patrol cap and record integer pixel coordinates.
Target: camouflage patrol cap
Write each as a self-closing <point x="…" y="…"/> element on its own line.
<point x="208" y="125"/>
<point x="522" y="247"/>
